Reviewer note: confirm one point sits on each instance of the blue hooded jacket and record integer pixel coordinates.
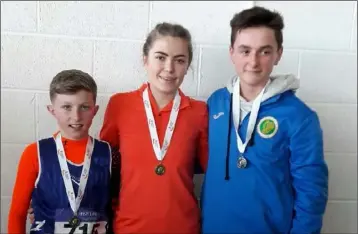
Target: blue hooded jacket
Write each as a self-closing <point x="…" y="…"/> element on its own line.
<point x="284" y="187"/>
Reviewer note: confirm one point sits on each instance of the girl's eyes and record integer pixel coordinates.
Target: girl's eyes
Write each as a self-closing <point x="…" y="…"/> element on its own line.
<point x="181" y="61"/>
<point x="161" y="58"/>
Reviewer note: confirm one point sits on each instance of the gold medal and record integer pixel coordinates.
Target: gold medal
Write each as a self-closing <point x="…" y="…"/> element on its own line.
<point x="75" y="221"/>
<point x="159" y="151"/>
<point x="160" y="169"/>
<point x="241" y="162"/>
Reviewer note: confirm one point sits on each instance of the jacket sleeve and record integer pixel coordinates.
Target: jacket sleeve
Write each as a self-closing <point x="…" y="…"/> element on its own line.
<point x="309" y="176"/>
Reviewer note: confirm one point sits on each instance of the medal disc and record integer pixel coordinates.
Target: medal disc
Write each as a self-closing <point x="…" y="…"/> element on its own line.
<point x="241" y="162"/>
<point x="75" y="221"/>
<point x="160" y="169"/>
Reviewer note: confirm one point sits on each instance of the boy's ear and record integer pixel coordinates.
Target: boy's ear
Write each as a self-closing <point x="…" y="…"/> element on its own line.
<point x="231" y="53"/>
<point x="51" y="109"/>
<point x="280" y="51"/>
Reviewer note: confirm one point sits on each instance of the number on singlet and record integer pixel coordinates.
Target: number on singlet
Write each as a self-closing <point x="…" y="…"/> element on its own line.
<point x="84" y="228"/>
<point x="73" y="229"/>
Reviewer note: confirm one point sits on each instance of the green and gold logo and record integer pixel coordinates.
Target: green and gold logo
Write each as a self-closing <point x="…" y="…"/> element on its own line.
<point x="267" y="127"/>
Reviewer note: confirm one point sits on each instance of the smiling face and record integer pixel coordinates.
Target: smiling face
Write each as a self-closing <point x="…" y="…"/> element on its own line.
<point x="74" y="113"/>
<point x="254" y="54"/>
<point x="167" y="63"/>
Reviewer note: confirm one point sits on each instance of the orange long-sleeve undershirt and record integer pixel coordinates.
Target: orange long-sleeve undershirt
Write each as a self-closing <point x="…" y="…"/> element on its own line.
<point x="28" y="170"/>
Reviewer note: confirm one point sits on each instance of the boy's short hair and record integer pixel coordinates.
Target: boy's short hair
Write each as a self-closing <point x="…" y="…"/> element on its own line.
<point x="257" y="17"/>
<point x="71" y="82"/>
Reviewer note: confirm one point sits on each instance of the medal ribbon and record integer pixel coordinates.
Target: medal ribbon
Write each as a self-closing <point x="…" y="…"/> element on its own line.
<point x="160" y="152"/>
<point x="74" y="201"/>
<point x="253" y="116"/>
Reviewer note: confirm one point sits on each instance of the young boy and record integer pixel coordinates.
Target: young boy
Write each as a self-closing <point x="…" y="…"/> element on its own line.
<point x="66" y="176"/>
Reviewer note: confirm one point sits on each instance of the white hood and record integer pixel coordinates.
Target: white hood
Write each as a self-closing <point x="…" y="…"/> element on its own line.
<point x="278" y="84"/>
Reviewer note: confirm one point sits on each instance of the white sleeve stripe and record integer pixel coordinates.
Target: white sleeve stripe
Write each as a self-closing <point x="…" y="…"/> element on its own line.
<point x="110" y="158"/>
<point x="39" y="161"/>
<point x="110" y="155"/>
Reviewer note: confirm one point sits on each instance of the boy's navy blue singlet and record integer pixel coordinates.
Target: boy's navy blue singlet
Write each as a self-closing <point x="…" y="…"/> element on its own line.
<point x="49" y="199"/>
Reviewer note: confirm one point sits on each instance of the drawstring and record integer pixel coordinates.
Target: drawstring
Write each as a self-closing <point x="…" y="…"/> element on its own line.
<point x="227" y="177"/>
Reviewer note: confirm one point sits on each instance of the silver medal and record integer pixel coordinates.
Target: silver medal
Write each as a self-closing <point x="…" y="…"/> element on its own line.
<point x="236" y="112"/>
<point x="241" y="162"/>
